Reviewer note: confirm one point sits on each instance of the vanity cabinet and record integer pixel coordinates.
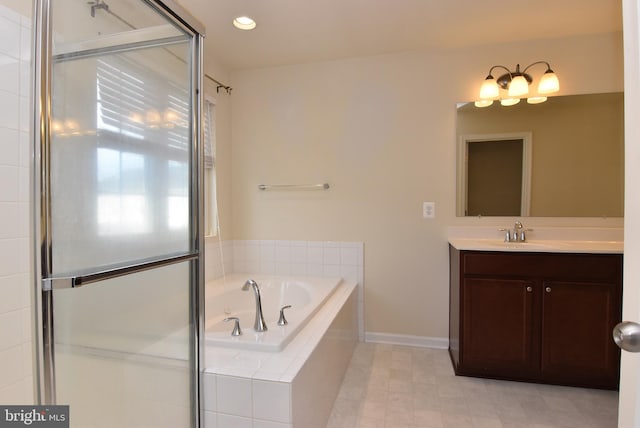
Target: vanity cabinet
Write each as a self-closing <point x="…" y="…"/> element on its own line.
<point x="541" y="317"/>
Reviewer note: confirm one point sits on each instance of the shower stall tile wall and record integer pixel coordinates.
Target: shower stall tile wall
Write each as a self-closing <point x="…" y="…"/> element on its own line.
<point x="15" y="300"/>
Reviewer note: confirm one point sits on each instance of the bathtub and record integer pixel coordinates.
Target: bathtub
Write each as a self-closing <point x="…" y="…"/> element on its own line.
<point x="225" y="298"/>
<point x="292" y="388"/>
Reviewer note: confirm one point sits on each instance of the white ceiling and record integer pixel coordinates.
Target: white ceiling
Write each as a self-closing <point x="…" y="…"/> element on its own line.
<point x="298" y="31"/>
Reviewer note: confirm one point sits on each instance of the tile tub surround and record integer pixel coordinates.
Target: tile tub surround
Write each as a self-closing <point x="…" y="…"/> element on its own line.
<point x="292" y="388"/>
<point x="298" y="258"/>
<point x="16" y="380"/>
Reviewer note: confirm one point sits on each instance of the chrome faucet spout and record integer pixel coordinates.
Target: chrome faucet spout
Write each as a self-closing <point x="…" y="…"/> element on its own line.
<point x="517" y="234"/>
<point x="259" y="325"/>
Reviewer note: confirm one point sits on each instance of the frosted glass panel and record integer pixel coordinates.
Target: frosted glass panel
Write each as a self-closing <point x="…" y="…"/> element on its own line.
<point x="118" y="179"/>
<point x="120" y="157"/>
<point x="122" y="350"/>
<point x="78" y="22"/>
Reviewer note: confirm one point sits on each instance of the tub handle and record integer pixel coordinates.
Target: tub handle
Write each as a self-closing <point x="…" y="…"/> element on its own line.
<point x="282" y="320"/>
<point x="237" y="331"/>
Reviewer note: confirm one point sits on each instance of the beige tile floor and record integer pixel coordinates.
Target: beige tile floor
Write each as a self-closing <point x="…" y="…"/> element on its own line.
<point x="388" y="386"/>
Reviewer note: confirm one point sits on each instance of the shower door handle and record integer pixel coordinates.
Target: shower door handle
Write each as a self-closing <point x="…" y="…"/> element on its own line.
<point x="627" y="336"/>
<point x="62" y="282"/>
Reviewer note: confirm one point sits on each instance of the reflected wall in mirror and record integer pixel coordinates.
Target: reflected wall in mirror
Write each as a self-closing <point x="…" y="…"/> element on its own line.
<point x="571" y="166"/>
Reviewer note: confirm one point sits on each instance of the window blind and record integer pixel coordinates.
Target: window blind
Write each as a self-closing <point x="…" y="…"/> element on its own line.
<point x="209" y="134"/>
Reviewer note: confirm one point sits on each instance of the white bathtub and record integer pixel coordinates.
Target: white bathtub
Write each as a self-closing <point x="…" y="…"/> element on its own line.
<point x="225" y="298"/>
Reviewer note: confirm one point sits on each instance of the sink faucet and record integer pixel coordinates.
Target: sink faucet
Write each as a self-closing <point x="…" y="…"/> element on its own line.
<point x="518" y="233"/>
<point x="259" y="325"/>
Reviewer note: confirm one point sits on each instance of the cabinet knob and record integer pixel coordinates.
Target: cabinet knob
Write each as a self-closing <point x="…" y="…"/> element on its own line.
<point x="529" y="289"/>
<point x="548" y="289"/>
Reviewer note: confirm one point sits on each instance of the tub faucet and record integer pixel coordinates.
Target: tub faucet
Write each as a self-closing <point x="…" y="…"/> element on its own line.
<point x="259" y="325"/>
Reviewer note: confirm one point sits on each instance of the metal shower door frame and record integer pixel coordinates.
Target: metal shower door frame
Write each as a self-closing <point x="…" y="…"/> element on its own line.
<point x="43" y="281"/>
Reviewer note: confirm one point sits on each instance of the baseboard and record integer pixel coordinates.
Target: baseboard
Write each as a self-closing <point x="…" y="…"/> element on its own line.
<point x="404" y="339"/>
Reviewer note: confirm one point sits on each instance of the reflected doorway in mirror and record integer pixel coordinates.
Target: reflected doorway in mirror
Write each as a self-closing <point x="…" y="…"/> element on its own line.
<point x="495" y="177"/>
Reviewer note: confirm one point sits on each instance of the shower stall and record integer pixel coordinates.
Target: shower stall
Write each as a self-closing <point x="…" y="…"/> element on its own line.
<point x="117" y="209"/>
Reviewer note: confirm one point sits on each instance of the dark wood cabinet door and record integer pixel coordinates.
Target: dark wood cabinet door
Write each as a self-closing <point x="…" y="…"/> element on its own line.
<point x="577" y="320"/>
<point x="537" y="317"/>
<point x="497" y="326"/>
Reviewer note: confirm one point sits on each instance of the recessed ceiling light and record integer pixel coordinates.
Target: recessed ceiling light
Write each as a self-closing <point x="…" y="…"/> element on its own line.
<point x="244" y="23"/>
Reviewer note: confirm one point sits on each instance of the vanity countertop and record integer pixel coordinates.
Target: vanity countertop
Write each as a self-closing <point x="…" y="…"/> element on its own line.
<point x="547" y="246"/>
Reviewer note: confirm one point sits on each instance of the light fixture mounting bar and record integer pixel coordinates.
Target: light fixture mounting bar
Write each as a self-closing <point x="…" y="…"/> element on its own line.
<point x="506" y="78"/>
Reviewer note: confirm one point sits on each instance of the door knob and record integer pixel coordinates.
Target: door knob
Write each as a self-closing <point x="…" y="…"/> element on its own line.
<point x="627" y="336"/>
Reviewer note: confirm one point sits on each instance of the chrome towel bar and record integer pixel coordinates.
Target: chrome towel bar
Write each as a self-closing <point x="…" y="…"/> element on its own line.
<point x="322" y="186"/>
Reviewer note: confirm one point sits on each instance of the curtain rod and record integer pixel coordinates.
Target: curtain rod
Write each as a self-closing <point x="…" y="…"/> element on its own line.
<point x="100" y="4"/>
<point x="220" y="85"/>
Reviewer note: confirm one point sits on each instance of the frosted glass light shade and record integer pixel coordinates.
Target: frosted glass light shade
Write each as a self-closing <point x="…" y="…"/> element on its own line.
<point x="483" y="103"/>
<point x="548" y="83"/>
<point x="489" y="89"/>
<point x="536" y="100"/>
<point x="518" y="86"/>
<point x="509" y="101"/>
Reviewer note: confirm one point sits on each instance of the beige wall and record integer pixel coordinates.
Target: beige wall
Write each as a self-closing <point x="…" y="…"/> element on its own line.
<point x="381" y="131"/>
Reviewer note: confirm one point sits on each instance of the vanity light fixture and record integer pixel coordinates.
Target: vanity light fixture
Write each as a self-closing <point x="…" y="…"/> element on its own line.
<point x="244" y="23"/>
<point x="516" y="84"/>
<point x="509" y="101"/>
<point x="483" y="103"/>
<point x="536" y="100"/>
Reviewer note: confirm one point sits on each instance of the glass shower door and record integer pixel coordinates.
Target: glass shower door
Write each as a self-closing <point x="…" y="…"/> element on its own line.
<point x="119" y="214"/>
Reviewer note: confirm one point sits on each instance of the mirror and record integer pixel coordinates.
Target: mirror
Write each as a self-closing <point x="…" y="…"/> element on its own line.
<point x="560" y="158"/>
